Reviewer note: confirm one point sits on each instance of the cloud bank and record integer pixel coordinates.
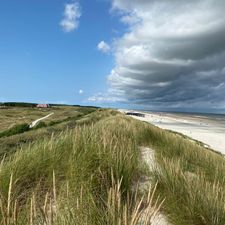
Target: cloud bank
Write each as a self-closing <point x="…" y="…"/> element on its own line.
<point x="72" y="13"/>
<point x="173" y="54"/>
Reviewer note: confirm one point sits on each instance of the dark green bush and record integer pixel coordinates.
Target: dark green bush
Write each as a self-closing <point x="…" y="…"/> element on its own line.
<point x="17" y="129"/>
<point x="40" y="125"/>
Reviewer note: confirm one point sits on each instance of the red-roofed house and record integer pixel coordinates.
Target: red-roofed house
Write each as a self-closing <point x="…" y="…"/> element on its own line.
<point x="43" y="106"/>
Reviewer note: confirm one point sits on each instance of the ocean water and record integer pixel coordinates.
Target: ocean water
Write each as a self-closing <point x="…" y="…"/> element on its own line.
<point x="205" y="116"/>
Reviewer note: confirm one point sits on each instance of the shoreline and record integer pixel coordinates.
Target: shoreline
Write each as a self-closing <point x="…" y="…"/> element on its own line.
<point x="208" y="130"/>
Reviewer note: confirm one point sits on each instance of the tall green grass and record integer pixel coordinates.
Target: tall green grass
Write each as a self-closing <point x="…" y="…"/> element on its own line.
<point x="86" y="173"/>
<point x="190" y="177"/>
<point x="81" y="176"/>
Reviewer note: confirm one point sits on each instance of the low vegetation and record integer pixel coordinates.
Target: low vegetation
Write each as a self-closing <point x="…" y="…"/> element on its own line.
<point x="190" y="177"/>
<point x="22" y="113"/>
<point x="84" y="175"/>
<point x="64" y="118"/>
<point x="85" y="169"/>
<point x="17" y="129"/>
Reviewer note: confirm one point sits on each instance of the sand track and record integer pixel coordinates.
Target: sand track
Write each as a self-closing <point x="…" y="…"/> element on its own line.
<point x="34" y="123"/>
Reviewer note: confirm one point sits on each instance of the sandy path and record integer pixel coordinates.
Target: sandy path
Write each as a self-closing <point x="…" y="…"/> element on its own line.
<point x="38" y="120"/>
<point x="148" y="156"/>
<point x="208" y="130"/>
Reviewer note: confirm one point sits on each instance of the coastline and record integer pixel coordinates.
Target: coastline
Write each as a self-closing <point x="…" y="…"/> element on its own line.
<point x="209" y="130"/>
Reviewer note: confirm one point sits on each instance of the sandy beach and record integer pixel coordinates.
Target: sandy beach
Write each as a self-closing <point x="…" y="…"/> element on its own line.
<point x="209" y="129"/>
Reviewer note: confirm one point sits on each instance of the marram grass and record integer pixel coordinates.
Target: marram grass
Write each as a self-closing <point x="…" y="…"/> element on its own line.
<point x="86" y="176"/>
<point x="190" y="177"/>
<point x="81" y="176"/>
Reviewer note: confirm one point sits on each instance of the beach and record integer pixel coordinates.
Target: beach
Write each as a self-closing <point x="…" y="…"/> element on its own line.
<point x="206" y="128"/>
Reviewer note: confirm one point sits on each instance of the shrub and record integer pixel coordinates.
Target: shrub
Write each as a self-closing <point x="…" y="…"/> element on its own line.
<point x="17" y="129"/>
<point x="40" y="125"/>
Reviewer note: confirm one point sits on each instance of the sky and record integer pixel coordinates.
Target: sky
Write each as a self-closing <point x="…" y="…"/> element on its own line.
<point x="141" y="54"/>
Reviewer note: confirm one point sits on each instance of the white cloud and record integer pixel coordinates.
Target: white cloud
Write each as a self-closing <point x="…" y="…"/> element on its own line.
<point x="103" y="47"/>
<point x="130" y="19"/>
<point x="108" y="97"/>
<point x="81" y="92"/>
<point x="72" y="13"/>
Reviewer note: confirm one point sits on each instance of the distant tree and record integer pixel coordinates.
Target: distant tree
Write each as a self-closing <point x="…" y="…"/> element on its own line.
<point x="19" y="104"/>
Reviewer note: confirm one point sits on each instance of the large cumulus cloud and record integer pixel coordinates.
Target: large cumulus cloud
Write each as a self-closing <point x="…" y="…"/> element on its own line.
<point x="173" y="54"/>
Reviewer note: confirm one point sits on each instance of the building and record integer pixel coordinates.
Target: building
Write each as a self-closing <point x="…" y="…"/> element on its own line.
<point x="43" y="106"/>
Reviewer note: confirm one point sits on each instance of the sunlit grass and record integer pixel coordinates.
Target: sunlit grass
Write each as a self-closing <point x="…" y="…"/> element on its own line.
<point x="87" y="173"/>
<point x="81" y="176"/>
<point x="190" y="177"/>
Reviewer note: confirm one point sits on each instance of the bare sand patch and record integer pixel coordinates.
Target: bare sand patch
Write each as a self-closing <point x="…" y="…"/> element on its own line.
<point x="148" y="156"/>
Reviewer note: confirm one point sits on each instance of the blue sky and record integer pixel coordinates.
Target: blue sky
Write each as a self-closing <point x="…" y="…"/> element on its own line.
<point x="40" y="62"/>
<point x="146" y="54"/>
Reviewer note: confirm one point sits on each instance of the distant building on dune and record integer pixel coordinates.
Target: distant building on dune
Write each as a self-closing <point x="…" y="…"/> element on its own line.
<point x="43" y="106"/>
